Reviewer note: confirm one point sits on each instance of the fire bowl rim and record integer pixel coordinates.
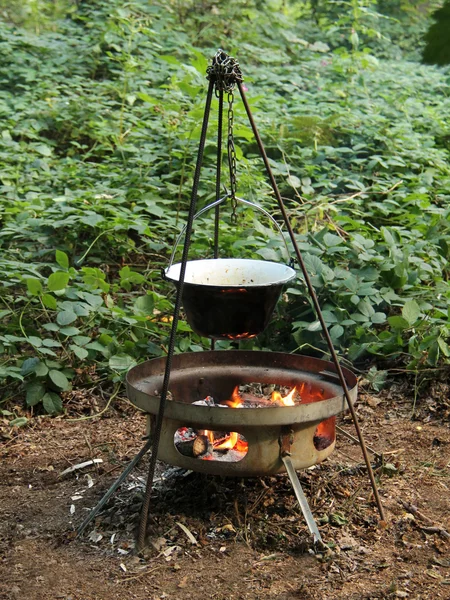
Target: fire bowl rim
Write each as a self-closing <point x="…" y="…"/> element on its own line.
<point x="292" y="365"/>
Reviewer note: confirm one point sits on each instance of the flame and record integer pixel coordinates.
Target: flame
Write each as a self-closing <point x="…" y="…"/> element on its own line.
<point x="233" y="440"/>
<point x="229" y="443"/>
<point x="210" y="435"/>
<point x="235" y="401"/>
<point x="241" y="445"/>
<point x="287" y="400"/>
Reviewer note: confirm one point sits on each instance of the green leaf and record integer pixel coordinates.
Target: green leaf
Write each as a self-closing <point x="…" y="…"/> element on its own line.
<point x="41" y="369"/>
<point x="377" y="379"/>
<point x="444" y="347"/>
<point x="388" y="237"/>
<point x="81" y="309"/>
<point x="330" y="239"/>
<point x="34" y="286"/>
<point x="35" y="341"/>
<point x="127" y="277"/>
<point x="81" y="340"/>
<point x="43" y="150"/>
<point x="92" y="219"/>
<point x="49" y="301"/>
<point x="336" y="331"/>
<point x="315" y="326"/>
<point x="313" y="264"/>
<point x="29" y="365"/>
<point x="34" y="393"/>
<point x="378" y="317"/>
<point x="398" y="322"/>
<point x="95" y="279"/>
<point x="59" y="379"/>
<point x="47" y="351"/>
<point x="58" y="281"/>
<point x="51" y="327"/>
<point x="18" y="422"/>
<point x="49" y="343"/>
<point x="96" y="346"/>
<point x="338" y="519"/>
<point x="81" y="353"/>
<point x="62" y="259"/>
<point x="268" y="254"/>
<point x="52" y="403"/>
<point x="121" y="362"/>
<point x="329" y="317"/>
<point x="65" y="317"/>
<point x="70" y="331"/>
<point x="144" y="305"/>
<point x="411" y="311"/>
<point x="146" y="98"/>
<point x="294" y="181"/>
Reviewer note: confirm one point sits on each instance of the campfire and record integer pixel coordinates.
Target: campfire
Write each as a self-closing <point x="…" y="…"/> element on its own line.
<point x="231" y="446"/>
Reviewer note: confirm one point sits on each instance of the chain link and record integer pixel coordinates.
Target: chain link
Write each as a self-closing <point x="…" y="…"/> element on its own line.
<point x="232" y="157"/>
<point x="225" y="72"/>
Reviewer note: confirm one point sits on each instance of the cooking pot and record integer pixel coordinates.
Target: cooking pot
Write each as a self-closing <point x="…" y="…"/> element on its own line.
<point x="230" y="298"/>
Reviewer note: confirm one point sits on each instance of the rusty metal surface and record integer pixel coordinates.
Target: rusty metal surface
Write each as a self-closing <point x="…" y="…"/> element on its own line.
<point x="199" y="374"/>
<point x="262" y="458"/>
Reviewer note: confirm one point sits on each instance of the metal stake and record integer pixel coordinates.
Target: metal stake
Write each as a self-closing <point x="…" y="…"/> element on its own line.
<point x="300" y="495"/>
<point x="286" y="440"/>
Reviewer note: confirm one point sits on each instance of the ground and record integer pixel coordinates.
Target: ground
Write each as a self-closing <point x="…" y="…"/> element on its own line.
<point x="251" y="539"/>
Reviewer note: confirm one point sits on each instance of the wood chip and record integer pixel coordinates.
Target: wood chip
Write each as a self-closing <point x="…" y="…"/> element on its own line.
<point x="82" y="465"/>
<point x="191" y="538"/>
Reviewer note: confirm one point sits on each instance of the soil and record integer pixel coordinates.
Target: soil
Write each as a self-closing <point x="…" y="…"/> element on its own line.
<point x="251" y="541"/>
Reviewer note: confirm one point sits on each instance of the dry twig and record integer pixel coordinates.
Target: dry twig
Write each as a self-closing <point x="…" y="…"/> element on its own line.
<point x="431" y="527"/>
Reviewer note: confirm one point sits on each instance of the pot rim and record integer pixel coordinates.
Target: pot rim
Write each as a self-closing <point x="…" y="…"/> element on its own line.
<point x="286" y="273"/>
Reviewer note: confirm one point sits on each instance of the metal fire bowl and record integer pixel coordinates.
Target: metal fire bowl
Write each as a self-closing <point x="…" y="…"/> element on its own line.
<point x="216" y="373"/>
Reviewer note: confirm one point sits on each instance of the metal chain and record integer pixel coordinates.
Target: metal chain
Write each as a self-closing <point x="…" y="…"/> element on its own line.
<point x="232" y="158"/>
<point x="224" y="71"/>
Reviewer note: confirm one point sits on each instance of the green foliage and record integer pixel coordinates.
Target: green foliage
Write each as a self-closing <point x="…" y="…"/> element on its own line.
<point x="437" y="48"/>
<point x="101" y="106"/>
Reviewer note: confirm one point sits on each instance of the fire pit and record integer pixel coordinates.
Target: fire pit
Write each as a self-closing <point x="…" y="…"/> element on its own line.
<point x="215" y="375"/>
<point x="188" y="396"/>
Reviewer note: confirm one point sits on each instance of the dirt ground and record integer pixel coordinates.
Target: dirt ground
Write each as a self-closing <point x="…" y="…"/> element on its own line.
<point x="251" y="540"/>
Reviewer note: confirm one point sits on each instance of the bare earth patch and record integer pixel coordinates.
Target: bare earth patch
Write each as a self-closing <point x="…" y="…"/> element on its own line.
<point x="252" y="542"/>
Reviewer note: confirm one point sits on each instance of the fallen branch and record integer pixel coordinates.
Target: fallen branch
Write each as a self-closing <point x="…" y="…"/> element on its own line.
<point x="431" y="527"/>
<point x="436" y="529"/>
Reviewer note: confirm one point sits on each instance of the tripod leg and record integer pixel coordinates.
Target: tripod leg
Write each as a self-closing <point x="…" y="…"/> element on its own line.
<point x="113" y="488"/>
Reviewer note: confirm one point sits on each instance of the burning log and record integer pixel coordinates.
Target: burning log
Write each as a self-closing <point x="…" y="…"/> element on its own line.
<point x="194" y="448"/>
